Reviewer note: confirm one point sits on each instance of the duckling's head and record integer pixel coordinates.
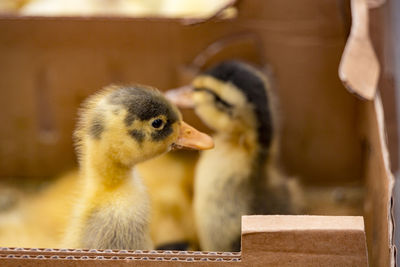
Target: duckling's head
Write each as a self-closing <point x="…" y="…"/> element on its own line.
<point x="231" y="97"/>
<point x="127" y="125"/>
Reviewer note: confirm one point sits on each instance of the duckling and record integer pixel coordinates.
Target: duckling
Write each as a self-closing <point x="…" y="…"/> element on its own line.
<point x="119" y="127"/>
<point x="11" y="6"/>
<point x="169" y="179"/>
<point x="240" y="176"/>
<point x="41" y="215"/>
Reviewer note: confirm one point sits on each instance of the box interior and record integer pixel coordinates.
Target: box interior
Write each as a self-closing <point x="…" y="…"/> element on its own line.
<point x="330" y="139"/>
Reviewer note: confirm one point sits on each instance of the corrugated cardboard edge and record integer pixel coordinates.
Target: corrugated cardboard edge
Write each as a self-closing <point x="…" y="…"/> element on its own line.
<point x="116" y="255"/>
<point x="389" y="175"/>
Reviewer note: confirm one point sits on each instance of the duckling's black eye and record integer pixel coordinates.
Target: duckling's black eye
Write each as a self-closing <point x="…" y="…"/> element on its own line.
<point x="157" y="123"/>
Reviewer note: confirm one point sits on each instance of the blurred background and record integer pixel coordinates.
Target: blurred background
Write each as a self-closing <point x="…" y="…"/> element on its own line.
<point x="134" y="8"/>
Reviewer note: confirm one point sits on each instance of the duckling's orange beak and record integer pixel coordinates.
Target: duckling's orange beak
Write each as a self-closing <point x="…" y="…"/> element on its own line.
<point x="181" y="97"/>
<point x="189" y="137"/>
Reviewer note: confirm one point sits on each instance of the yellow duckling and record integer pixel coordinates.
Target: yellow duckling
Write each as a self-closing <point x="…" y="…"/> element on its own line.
<point x="169" y="179"/>
<point x="39" y="218"/>
<point x="118" y="128"/>
<point x="240" y="176"/>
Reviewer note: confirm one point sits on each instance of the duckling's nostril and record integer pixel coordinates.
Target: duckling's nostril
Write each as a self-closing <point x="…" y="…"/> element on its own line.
<point x="189" y="137"/>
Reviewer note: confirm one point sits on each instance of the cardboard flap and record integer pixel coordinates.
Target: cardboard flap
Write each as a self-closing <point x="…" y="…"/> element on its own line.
<point x="359" y="67"/>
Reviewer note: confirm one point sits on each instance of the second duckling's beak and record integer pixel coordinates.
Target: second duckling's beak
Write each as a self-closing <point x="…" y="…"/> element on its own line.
<point x="181" y="97"/>
<point x="189" y="137"/>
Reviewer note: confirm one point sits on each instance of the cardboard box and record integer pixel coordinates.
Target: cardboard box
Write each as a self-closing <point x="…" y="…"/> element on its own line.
<point x="329" y="136"/>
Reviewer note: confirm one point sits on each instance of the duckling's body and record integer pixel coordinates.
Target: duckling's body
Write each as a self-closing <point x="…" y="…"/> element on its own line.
<point x="40" y="217"/>
<point x="240" y="175"/>
<point x="169" y="179"/>
<point x="219" y="182"/>
<point x="118" y="128"/>
<point x="229" y="184"/>
<point x="112" y="216"/>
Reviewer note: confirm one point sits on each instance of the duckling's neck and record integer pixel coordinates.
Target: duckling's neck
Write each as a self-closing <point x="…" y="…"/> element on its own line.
<point x="246" y="140"/>
<point x="114" y="204"/>
<point x="105" y="173"/>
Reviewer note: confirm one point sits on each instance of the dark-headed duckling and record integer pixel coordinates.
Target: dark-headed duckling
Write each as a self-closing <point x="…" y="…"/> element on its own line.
<point x="240" y="175"/>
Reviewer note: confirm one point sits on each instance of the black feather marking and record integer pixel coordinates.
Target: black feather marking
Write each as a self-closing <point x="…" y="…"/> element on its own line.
<point x="253" y="88"/>
<point x="129" y="119"/>
<point x="164" y="133"/>
<point x="138" y="135"/>
<point x="142" y="103"/>
<point x="96" y="127"/>
<point x="222" y="104"/>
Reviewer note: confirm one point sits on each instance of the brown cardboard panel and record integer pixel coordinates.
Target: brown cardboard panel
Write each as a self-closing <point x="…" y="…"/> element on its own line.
<point x="93" y="262"/>
<point x="377" y="163"/>
<point x="266" y="241"/>
<point x="382" y="37"/>
<point x="328" y="200"/>
<point x="108" y="262"/>
<point x="381" y="30"/>
<point x="379" y="186"/>
<point x="304" y="240"/>
<point x="64" y="60"/>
